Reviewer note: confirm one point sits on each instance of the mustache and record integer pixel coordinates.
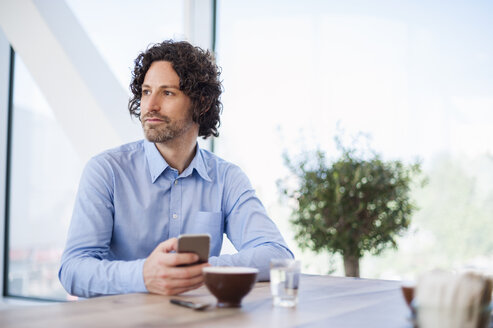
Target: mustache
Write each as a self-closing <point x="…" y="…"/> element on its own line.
<point x="164" y="118"/>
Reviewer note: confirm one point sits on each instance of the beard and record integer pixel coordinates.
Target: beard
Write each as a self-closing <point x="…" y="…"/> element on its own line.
<point x="166" y="130"/>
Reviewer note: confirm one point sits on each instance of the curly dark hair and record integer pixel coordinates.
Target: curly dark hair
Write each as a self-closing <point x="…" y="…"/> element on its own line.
<point x="199" y="80"/>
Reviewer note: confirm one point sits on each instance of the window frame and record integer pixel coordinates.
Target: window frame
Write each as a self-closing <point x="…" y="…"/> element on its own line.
<point x="6" y="72"/>
<point x="7" y="84"/>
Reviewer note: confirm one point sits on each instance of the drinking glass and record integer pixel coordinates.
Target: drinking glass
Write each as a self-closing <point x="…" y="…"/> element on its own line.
<point x="284" y="281"/>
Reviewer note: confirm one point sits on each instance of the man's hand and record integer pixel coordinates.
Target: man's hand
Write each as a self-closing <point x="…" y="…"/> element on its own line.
<point x="161" y="274"/>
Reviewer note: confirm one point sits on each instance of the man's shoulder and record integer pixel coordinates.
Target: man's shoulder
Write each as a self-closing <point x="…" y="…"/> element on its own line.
<point x="213" y="161"/>
<point x="123" y="160"/>
<point x="121" y="153"/>
<point x="218" y="167"/>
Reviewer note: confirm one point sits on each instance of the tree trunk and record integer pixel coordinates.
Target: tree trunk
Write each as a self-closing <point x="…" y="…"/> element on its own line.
<point x="351" y="266"/>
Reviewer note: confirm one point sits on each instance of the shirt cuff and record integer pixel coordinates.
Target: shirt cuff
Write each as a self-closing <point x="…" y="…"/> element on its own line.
<point x="213" y="260"/>
<point x="138" y="277"/>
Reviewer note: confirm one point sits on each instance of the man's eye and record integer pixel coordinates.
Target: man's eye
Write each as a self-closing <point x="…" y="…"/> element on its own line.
<point x="168" y="93"/>
<point x="146" y="92"/>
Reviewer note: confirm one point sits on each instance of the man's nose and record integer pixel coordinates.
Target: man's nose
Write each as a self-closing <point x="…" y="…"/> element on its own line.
<point x="152" y="104"/>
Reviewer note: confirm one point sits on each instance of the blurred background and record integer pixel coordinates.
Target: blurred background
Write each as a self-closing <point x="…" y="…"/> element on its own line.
<point x="417" y="76"/>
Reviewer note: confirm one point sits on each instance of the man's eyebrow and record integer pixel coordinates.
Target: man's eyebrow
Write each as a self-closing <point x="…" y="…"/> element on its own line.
<point x="164" y="86"/>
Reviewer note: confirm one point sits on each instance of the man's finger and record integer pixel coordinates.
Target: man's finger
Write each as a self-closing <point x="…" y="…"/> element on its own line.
<point x="184" y="283"/>
<point x="172" y="286"/>
<point x="187" y="272"/>
<point x="180" y="290"/>
<point x="176" y="259"/>
<point x="168" y="245"/>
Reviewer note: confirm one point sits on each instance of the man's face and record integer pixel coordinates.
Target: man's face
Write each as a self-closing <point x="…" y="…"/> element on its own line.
<point x="165" y="110"/>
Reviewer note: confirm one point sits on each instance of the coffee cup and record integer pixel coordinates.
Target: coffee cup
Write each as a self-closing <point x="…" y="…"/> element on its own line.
<point x="229" y="284"/>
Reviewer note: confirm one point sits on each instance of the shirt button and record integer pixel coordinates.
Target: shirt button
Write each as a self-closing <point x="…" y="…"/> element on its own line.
<point x="176" y="182"/>
<point x="175" y="216"/>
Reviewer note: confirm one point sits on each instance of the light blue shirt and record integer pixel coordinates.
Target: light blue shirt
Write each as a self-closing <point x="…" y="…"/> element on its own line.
<point x="130" y="200"/>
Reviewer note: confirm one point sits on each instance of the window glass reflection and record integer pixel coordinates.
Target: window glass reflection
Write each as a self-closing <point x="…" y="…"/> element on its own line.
<point x="45" y="168"/>
<point x="120" y="29"/>
<point x="416" y="76"/>
<point x="44" y="175"/>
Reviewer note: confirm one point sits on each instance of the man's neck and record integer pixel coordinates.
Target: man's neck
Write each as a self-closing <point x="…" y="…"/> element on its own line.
<point x="178" y="153"/>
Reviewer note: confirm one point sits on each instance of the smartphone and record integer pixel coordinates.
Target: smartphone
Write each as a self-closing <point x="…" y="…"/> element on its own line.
<point x="195" y="243"/>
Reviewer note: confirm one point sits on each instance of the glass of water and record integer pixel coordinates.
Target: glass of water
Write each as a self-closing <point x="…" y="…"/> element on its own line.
<point x="284" y="281"/>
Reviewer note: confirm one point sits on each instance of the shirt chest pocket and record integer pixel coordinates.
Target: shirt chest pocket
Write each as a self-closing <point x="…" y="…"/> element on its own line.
<point x="206" y="222"/>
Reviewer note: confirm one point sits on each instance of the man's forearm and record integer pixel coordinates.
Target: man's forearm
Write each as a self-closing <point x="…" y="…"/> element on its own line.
<point x="258" y="257"/>
<point x="88" y="277"/>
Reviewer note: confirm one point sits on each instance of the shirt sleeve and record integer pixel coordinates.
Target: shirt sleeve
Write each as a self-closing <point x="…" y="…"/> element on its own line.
<point x="86" y="267"/>
<point x="247" y="225"/>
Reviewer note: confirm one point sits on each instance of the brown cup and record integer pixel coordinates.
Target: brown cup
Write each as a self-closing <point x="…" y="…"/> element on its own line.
<point x="408" y="293"/>
<point x="229" y="284"/>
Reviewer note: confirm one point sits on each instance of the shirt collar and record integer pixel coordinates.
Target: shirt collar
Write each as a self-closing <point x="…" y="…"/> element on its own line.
<point x="157" y="163"/>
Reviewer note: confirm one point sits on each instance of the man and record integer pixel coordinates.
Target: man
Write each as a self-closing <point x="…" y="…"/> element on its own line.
<point x="133" y="201"/>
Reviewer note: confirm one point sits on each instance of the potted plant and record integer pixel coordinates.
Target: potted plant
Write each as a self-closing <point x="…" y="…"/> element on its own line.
<point x="358" y="203"/>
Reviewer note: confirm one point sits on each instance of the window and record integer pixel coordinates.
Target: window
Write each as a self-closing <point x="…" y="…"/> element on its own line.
<point x="414" y="75"/>
<point x="417" y="76"/>
<point x="45" y="167"/>
<point x="121" y="29"/>
<point x="44" y="176"/>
